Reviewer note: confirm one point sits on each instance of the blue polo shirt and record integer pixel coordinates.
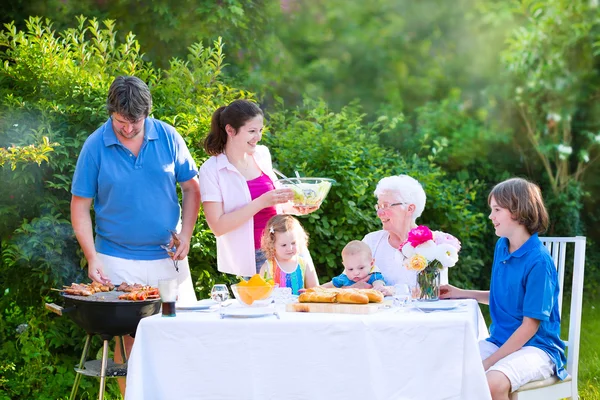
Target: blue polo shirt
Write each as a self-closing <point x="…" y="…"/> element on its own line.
<point x="135" y="198"/>
<point x="524" y="283"/>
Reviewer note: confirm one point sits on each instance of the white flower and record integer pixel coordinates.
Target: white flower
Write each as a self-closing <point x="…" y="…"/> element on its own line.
<point x="584" y="155"/>
<point x="447" y="255"/>
<point x="597" y="138"/>
<point x="564" y="151"/>
<point x="408" y="250"/>
<point x="553" y="117"/>
<point x="428" y="250"/>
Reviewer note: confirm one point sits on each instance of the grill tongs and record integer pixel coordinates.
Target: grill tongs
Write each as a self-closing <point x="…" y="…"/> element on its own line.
<point x="171" y="250"/>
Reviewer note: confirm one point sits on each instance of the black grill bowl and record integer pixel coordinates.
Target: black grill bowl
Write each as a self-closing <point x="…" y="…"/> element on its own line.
<point x="109" y="318"/>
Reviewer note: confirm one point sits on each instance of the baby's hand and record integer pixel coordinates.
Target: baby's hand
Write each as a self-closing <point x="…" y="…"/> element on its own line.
<point x="386" y="290"/>
<point x="361" y="285"/>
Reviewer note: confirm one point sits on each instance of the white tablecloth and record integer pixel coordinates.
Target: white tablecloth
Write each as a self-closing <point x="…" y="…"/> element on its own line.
<point x="387" y="355"/>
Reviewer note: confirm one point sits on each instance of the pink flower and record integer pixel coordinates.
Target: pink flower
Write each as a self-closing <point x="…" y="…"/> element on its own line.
<point x="419" y="235"/>
<point x="402" y="245"/>
<point x="440" y="237"/>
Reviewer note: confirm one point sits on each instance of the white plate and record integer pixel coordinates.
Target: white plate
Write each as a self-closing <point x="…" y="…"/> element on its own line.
<point x="199" y="305"/>
<point x="435" y="305"/>
<point x="247" y="312"/>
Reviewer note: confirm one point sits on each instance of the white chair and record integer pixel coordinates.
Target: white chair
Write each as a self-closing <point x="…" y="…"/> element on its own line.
<point x="553" y="388"/>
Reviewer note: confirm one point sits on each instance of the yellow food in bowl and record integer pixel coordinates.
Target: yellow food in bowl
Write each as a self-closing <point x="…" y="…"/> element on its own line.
<point x="252" y="290"/>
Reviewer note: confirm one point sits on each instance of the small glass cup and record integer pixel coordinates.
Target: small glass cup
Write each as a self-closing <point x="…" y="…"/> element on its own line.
<point x="281" y="296"/>
<point x="168" y="296"/>
<point x="402" y="295"/>
<point x="219" y="293"/>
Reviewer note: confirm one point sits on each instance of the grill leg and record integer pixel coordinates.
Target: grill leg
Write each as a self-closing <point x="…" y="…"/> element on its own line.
<point x="86" y="349"/>
<point x="119" y="339"/>
<point x="103" y="370"/>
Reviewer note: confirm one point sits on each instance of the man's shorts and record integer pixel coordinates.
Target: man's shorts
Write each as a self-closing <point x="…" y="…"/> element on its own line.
<point x="149" y="272"/>
<point x="521" y="367"/>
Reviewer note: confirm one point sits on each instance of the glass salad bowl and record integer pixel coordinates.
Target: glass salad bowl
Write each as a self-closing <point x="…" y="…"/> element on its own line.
<point x="253" y="295"/>
<point x="308" y="192"/>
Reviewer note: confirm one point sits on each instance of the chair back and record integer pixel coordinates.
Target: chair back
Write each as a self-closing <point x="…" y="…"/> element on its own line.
<point x="557" y="246"/>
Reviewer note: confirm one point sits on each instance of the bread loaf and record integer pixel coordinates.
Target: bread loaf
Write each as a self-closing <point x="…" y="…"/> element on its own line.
<point x="317" y="296"/>
<point x="338" y="295"/>
<point x="350" y="296"/>
<point x="374" y="295"/>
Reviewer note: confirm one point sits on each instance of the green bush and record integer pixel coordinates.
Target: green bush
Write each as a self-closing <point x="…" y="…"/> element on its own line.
<point x="53" y="85"/>
<point x="37" y="360"/>
<point x="319" y="142"/>
<point x="53" y="90"/>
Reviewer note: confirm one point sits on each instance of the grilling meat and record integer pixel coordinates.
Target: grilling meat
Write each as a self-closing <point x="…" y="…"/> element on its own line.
<point x="142" y="294"/>
<point x="83" y="289"/>
<point x="126" y="287"/>
<point x="133" y="292"/>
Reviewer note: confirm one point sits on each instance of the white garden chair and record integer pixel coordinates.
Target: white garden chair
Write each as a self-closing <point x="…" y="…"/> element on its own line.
<point x="553" y="388"/>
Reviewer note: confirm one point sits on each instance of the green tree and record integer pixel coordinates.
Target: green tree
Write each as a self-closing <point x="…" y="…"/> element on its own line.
<point x="553" y="63"/>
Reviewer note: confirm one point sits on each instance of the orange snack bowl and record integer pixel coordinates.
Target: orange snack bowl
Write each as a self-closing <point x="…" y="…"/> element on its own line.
<point x="252" y="294"/>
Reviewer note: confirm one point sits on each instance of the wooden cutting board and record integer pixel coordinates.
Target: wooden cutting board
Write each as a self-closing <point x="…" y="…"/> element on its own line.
<point x="333" y="308"/>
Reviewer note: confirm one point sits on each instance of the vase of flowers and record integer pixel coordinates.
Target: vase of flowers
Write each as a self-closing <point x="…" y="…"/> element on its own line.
<point x="428" y="252"/>
<point x="428" y="281"/>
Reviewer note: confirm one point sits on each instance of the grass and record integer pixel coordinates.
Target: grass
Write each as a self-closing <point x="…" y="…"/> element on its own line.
<point x="589" y="352"/>
<point x="589" y="349"/>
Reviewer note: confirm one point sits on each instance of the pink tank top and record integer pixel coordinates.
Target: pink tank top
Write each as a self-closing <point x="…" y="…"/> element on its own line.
<point x="257" y="187"/>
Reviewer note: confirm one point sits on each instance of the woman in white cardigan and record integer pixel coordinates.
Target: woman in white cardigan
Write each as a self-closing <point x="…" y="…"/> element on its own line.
<point x="400" y="201"/>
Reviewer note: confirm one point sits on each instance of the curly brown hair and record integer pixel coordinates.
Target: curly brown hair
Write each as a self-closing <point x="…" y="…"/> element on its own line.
<point x="524" y="201"/>
<point x="280" y="224"/>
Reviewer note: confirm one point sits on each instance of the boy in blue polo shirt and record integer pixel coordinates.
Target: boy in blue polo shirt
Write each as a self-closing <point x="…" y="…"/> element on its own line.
<point x="524" y="343"/>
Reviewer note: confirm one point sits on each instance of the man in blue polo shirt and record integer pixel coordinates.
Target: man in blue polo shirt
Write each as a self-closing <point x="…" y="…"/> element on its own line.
<point x="129" y="169"/>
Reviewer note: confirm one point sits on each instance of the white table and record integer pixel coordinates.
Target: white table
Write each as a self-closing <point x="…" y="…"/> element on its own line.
<point x="387" y="355"/>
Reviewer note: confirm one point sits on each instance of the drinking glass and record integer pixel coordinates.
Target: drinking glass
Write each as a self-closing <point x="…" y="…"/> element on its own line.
<point x="282" y="296"/>
<point x="219" y="293"/>
<point x="402" y="295"/>
<point x="168" y="296"/>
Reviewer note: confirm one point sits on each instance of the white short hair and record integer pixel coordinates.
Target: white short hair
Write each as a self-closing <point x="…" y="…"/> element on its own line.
<point x="405" y="189"/>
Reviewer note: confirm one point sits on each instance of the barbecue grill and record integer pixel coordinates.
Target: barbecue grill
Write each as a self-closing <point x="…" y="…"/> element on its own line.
<point x="103" y="314"/>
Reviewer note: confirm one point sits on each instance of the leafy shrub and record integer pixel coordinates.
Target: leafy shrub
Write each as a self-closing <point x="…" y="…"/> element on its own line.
<point x="54" y="86"/>
<point x="43" y="346"/>
<point x="53" y="90"/>
<point x="318" y="142"/>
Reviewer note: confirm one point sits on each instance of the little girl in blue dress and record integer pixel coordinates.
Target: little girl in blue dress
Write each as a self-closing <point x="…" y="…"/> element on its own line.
<point x="285" y="245"/>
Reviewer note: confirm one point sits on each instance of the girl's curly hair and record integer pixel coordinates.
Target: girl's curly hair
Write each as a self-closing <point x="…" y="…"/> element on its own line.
<point x="282" y="223"/>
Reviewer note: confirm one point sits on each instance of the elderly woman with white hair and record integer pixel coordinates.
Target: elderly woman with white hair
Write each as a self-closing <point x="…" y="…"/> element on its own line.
<point x="400" y="201"/>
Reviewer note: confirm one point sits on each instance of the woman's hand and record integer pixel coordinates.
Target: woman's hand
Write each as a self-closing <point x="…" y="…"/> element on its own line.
<point x="304" y="210"/>
<point x="276" y="196"/>
<point x="450" y="292"/>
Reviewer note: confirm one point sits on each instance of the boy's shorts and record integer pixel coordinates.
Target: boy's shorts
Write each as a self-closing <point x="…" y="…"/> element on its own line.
<point x="521" y="367"/>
